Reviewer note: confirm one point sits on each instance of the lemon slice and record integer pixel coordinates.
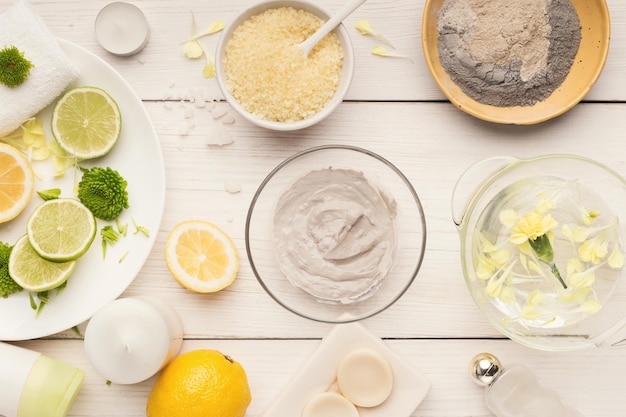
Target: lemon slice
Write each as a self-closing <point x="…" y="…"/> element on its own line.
<point x="201" y="256"/>
<point x="86" y="122"/>
<point x="32" y="272"/>
<point x="365" y="378"/>
<point x="61" y="230"/>
<point x="17" y="182"/>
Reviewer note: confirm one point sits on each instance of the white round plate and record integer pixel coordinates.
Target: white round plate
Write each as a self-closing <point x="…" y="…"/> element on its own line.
<point x="96" y="279"/>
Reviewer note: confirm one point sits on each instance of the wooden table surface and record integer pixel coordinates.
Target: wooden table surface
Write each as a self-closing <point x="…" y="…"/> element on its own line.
<point x="393" y="108"/>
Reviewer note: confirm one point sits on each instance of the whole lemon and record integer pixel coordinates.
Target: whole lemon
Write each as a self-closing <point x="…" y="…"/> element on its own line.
<point x="200" y="383"/>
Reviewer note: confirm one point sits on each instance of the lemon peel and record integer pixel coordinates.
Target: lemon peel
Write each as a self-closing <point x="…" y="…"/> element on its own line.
<point x="200" y="383"/>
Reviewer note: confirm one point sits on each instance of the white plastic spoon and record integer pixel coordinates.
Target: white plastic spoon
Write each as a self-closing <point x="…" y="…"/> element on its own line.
<point x="331" y="24"/>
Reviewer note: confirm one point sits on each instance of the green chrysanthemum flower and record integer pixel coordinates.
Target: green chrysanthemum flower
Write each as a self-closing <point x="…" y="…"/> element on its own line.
<point x="14" y="68"/>
<point x="103" y="191"/>
<point x="7" y="285"/>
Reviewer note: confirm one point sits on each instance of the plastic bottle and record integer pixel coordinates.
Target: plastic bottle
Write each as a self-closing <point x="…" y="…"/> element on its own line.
<point x="34" y="385"/>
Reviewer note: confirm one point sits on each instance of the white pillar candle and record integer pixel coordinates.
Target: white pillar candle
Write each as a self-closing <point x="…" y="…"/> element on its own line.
<point x="130" y="339"/>
<point x="122" y="29"/>
<point x="34" y="385"/>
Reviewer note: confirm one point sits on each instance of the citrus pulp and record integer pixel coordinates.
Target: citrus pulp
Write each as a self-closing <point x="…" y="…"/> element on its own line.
<point x="201" y="256"/>
<point x="17" y="182"/>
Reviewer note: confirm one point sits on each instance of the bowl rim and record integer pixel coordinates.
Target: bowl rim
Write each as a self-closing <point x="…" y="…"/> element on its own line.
<point x="340" y="147"/>
<point x="522" y="115"/>
<point x="347" y="72"/>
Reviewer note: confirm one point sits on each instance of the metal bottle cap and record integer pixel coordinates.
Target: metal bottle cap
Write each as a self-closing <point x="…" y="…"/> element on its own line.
<point x="485" y="368"/>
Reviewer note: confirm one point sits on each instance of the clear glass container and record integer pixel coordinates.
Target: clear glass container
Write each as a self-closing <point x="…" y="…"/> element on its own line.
<point x="576" y="296"/>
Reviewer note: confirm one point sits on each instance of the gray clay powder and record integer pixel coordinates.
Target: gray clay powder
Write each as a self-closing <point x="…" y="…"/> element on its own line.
<point x="508" y="53"/>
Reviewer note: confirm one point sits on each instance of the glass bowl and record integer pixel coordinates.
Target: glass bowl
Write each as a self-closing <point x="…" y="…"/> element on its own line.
<point x="269" y="251"/>
<point x="347" y="71"/>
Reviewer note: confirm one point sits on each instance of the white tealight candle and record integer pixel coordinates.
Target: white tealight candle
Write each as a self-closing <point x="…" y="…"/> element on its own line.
<point x="122" y="29"/>
<point x="131" y="339"/>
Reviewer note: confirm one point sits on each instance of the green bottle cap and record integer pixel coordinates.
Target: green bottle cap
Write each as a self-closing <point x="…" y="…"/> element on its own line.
<point x="50" y="389"/>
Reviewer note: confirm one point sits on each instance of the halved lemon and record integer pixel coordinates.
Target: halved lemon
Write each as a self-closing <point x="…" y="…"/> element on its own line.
<point x="201" y="256"/>
<point x="17" y="182"/>
<point x="86" y="122"/>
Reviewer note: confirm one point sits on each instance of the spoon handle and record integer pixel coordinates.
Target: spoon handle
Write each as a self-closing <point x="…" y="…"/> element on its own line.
<point x="327" y="27"/>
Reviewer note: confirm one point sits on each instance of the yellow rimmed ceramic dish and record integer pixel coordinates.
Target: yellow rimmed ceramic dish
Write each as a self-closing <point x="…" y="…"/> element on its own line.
<point x="587" y="66"/>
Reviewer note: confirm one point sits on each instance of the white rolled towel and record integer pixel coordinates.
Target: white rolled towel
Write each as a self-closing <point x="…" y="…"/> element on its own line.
<point x="51" y="74"/>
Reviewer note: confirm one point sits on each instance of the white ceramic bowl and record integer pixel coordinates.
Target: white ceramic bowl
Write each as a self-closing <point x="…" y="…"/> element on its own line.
<point x="346" y="74"/>
<point x="410" y="232"/>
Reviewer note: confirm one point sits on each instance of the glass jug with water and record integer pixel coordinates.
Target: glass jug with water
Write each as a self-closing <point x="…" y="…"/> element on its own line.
<point x="542" y="249"/>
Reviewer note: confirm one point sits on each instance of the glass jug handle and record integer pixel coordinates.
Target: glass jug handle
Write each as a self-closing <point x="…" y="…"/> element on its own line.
<point x="614" y="337"/>
<point x="471" y="179"/>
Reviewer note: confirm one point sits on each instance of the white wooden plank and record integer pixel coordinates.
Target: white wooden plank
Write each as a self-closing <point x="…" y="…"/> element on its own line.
<point x="590" y="380"/>
<point x="161" y="70"/>
<point x="431" y="143"/>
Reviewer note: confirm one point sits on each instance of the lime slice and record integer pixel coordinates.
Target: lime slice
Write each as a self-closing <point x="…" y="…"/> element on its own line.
<point x="61" y="230"/>
<point x="32" y="272"/>
<point x="86" y="122"/>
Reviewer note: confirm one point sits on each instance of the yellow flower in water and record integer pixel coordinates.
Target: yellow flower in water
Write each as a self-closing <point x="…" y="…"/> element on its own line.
<point x="575" y="296"/>
<point x="489" y="259"/>
<point x="589" y="215"/>
<point x="534" y="229"/>
<point x="531" y="226"/>
<point x="546" y="204"/>
<point x="530" y="312"/>
<point x="484" y="270"/>
<point x="616" y="258"/>
<point x="507" y="295"/>
<point x="594" y="250"/>
<point x="496" y="281"/>
<point x="590" y="306"/>
<point x="536" y="297"/>
<point x="577" y="233"/>
<point x="582" y="279"/>
<point x="508" y="218"/>
<point x="573" y="265"/>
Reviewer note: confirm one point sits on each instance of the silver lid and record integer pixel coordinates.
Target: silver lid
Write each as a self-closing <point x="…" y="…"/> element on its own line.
<point x="485" y="368"/>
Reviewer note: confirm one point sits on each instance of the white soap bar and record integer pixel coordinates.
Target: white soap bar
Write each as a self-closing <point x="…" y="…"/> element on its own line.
<point x="365" y="378"/>
<point x="329" y="404"/>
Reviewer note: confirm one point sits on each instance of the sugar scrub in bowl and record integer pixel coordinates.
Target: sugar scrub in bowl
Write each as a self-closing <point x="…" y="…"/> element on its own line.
<point x="542" y="249"/>
<point x="265" y="76"/>
<point x="335" y="234"/>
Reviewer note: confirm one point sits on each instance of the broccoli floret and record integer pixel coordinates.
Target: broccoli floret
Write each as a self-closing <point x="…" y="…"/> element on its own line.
<point x="7" y="285"/>
<point x="103" y="191"/>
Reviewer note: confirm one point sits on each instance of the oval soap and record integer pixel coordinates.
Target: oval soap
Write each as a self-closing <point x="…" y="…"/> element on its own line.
<point x="327" y="404"/>
<point x="365" y="377"/>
